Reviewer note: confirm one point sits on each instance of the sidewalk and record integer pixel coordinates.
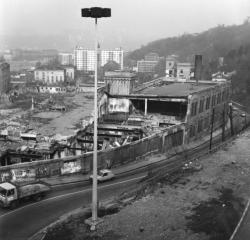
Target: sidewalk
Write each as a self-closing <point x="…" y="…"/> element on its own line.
<point x="79" y="177"/>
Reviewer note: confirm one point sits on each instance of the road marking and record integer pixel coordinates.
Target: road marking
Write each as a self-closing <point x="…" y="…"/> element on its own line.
<point x="68" y="194"/>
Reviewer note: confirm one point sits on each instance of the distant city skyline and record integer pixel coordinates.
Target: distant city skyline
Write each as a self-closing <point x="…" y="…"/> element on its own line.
<point x="58" y="23"/>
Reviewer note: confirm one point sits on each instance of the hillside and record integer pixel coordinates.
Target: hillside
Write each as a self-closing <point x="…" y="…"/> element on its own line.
<point x="212" y="43"/>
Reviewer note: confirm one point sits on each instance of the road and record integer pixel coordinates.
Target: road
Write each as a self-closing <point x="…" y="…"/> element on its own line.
<point x="23" y="222"/>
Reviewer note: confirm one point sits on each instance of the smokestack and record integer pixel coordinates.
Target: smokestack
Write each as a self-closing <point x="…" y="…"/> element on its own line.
<point x="198" y="68"/>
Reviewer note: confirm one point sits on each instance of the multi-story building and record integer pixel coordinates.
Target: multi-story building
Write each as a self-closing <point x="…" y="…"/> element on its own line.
<point x="171" y="67"/>
<point x="84" y="59"/>
<point x="119" y="82"/>
<point x="70" y="72"/>
<point x="112" y="55"/>
<point x="4" y="77"/>
<point x="50" y="75"/>
<point x="144" y="66"/>
<point x="152" y="57"/>
<point x="66" y="58"/>
<point x="184" y="70"/>
<point x="147" y="65"/>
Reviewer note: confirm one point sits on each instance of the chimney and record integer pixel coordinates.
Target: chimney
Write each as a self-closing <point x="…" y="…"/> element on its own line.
<point x="198" y="68"/>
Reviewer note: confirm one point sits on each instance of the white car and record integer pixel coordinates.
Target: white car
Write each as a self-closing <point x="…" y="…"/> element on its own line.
<point x="104" y="175"/>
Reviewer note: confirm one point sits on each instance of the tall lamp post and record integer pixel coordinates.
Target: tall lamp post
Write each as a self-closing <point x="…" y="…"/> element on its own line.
<point x="95" y="12"/>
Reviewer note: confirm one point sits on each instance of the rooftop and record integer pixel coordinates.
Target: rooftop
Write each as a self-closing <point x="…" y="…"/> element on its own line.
<point x="119" y="74"/>
<point x="174" y="89"/>
<point x="50" y="68"/>
<point x="184" y="64"/>
<point x="6" y="186"/>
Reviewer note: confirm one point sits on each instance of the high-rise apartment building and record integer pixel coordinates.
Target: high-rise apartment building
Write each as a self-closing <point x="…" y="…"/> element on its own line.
<point x="66" y="58"/>
<point x="4" y="77"/>
<point x="84" y="59"/>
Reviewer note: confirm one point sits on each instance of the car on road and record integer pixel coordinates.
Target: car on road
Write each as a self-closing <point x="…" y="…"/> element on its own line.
<point x="103" y="175"/>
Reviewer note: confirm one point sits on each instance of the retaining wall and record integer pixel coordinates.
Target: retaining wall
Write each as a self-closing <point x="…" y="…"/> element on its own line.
<point x="160" y="142"/>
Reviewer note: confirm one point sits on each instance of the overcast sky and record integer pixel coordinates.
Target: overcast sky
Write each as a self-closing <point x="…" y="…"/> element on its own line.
<point x="133" y="21"/>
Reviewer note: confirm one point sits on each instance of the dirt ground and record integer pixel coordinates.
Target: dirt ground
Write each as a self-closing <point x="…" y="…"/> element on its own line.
<point x="64" y="123"/>
<point x="78" y="107"/>
<point x="199" y="205"/>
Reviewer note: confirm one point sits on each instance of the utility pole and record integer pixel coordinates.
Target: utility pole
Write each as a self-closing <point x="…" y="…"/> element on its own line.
<point x="231" y="118"/>
<point x="223" y="125"/>
<point x="95" y="12"/>
<point x="212" y="129"/>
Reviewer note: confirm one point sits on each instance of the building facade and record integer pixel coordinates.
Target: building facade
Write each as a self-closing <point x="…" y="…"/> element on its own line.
<point x="48" y="75"/>
<point x="4" y="77"/>
<point x="84" y="59"/>
<point x="66" y="58"/>
<point x="171" y="67"/>
<point x="152" y="57"/>
<point x="70" y="73"/>
<point x="120" y="83"/>
<point x="184" y="70"/>
<point x="144" y="66"/>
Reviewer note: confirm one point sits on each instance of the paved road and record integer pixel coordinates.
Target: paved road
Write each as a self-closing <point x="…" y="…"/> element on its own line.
<point x="26" y="220"/>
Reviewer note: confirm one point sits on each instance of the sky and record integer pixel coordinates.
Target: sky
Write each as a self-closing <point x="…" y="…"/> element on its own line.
<point x="133" y="22"/>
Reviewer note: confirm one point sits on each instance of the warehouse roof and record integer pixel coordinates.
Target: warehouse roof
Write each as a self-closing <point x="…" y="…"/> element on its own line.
<point x="174" y="89"/>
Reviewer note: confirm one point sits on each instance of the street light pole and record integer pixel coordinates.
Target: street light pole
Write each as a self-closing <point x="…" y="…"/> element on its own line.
<point x="95" y="13"/>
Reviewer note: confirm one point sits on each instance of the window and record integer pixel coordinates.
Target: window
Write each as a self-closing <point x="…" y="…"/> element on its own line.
<point x="208" y="102"/>
<point x="194" y="108"/>
<point x="206" y="123"/>
<point x="213" y="100"/>
<point x="201" y="107"/>
<point x="10" y="192"/>
<point x="224" y="96"/>
<point x="192" y="131"/>
<point x="218" y="98"/>
<point x="200" y="123"/>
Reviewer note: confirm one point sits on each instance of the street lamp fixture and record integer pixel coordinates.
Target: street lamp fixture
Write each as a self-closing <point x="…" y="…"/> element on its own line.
<point x="95" y="12"/>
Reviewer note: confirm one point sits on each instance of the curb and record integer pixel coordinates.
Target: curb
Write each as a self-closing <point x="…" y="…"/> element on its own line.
<point x="241" y="219"/>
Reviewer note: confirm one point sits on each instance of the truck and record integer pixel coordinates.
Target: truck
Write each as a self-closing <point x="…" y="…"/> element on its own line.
<point x="11" y="194"/>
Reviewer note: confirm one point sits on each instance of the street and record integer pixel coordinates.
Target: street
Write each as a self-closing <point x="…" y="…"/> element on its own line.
<point x="26" y="220"/>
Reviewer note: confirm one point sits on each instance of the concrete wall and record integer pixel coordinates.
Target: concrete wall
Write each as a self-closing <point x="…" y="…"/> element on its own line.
<point x="161" y="142"/>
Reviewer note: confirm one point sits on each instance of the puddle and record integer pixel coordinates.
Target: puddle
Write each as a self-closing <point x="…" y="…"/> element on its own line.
<point x="217" y="217"/>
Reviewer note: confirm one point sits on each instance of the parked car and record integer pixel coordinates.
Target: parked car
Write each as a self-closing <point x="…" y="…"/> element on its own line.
<point x="104" y="175"/>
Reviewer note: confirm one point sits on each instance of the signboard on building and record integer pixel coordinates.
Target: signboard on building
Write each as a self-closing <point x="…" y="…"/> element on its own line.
<point x="118" y="105"/>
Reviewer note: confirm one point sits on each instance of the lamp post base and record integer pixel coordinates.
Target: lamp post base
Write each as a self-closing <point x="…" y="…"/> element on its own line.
<point x="92" y="223"/>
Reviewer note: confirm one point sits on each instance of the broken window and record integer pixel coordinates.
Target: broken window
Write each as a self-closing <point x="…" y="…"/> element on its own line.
<point x="192" y="131"/>
<point x="200" y="123"/>
<point x="201" y="107"/>
<point x="213" y="100"/>
<point x="208" y="102"/>
<point x="194" y="108"/>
